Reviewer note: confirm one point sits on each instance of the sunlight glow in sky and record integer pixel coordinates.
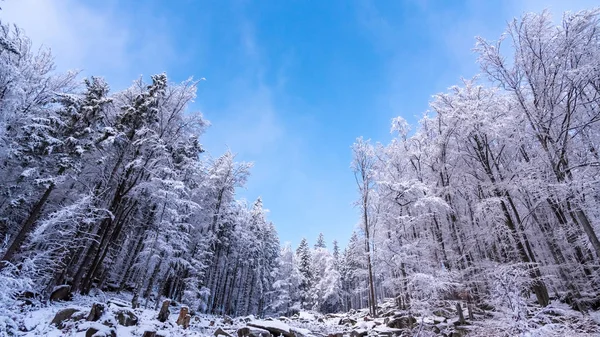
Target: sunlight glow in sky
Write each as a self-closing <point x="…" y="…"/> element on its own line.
<point x="289" y="84"/>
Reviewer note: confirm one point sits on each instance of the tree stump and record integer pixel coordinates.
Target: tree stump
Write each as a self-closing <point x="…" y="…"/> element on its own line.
<point x="461" y="316"/>
<point x="163" y="315"/>
<point x="470" y="310"/>
<point x="135" y="301"/>
<point x="182" y="313"/>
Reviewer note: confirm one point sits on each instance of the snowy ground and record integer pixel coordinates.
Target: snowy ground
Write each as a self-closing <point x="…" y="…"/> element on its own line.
<point x="556" y="320"/>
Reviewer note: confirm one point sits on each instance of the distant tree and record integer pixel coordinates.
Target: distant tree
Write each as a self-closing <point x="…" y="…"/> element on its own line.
<point x="320" y="241"/>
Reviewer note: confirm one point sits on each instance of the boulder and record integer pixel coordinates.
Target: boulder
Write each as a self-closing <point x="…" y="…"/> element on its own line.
<point x="96" y="312"/>
<point x="151" y="334"/>
<point x="359" y="333"/>
<point x="61" y="293"/>
<point x="28" y="297"/>
<point x="275" y="328"/>
<point x="62" y="316"/>
<point x="299" y="332"/>
<point x="442" y="312"/>
<point x="227" y="320"/>
<point x="118" y="303"/>
<point x="126" y="317"/>
<point x="336" y="334"/>
<point x="221" y="332"/>
<point x="249" y="331"/>
<point x="383" y="331"/>
<point x="403" y="322"/>
<point x="257" y="332"/>
<point x="164" y="312"/>
<point x="95" y="332"/>
<point x="458" y="332"/>
<point x="346" y="320"/>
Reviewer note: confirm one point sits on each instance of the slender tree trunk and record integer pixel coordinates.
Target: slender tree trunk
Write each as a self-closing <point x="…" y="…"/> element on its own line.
<point x="17" y="242"/>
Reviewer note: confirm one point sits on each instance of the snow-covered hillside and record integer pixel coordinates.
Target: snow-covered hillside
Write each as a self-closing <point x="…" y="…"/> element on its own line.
<point x="112" y="315"/>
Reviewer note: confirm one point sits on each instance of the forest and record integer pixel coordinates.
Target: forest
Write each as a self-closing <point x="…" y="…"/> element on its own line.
<point x="492" y="200"/>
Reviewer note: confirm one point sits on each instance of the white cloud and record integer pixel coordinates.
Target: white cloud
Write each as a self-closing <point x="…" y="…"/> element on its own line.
<point x="99" y="41"/>
<point x="249" y="125"/>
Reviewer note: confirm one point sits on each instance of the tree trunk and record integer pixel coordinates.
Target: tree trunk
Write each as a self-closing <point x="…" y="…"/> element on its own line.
<point x="26" y="227"/>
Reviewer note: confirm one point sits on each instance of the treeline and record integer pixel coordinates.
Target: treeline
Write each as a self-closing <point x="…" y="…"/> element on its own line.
<point x="495" y="196"/>
<point x="111" y="190"/>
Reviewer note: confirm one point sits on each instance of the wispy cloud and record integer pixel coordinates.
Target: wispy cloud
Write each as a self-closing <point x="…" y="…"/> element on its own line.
<point x="98" y="41"/>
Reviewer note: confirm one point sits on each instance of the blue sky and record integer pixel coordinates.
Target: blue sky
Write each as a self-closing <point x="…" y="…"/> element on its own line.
<point x="289" y="84"/>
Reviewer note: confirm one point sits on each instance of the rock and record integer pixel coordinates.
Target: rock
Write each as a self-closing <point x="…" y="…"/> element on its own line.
<point x="93" y="332"/>
<point x="256" y="332"/>
<point x="320" y="320"/>
<point x="221" y="332"/>
<point x="62" y="316"/>
<point x="96" y="312"/>
<point x="182" y="313"/>
<point x="212" y="323"/>
<point x="358" y="333"/>
<point x="28" y="297"/>
<point x="118" y="303"/>
<point x="227" y="320"/>
<point x="336" y="334"/>
<point x="458" y="332"/>
<point x="163" y="315"/>
<point x="126" y="317"/>
<point x="403" y="322"/>
<point x="388" y="331"/>
<point x="242" y="332"/>
<point x="149" y="334"/>
<point x="299" y="332"/>
<point x="485" y="307"/>
<point x="346" y="320"/>
<point x="388" y="314"/>
<point x="253" y="332"/>
<point x="111" y="287"/>
<point x="443" y="313"/>
<point x="275" y="329"/>
<point x="61" y="293"/>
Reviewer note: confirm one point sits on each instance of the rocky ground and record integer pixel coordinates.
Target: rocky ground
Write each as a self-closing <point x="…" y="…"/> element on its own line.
<point x="112" y="315"/>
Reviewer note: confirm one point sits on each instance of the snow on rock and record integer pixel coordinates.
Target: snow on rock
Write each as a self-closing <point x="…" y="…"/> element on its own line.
<point x="79" y="319"/>
<point x="275" y="327"/>
<point x="307" y="315"/>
